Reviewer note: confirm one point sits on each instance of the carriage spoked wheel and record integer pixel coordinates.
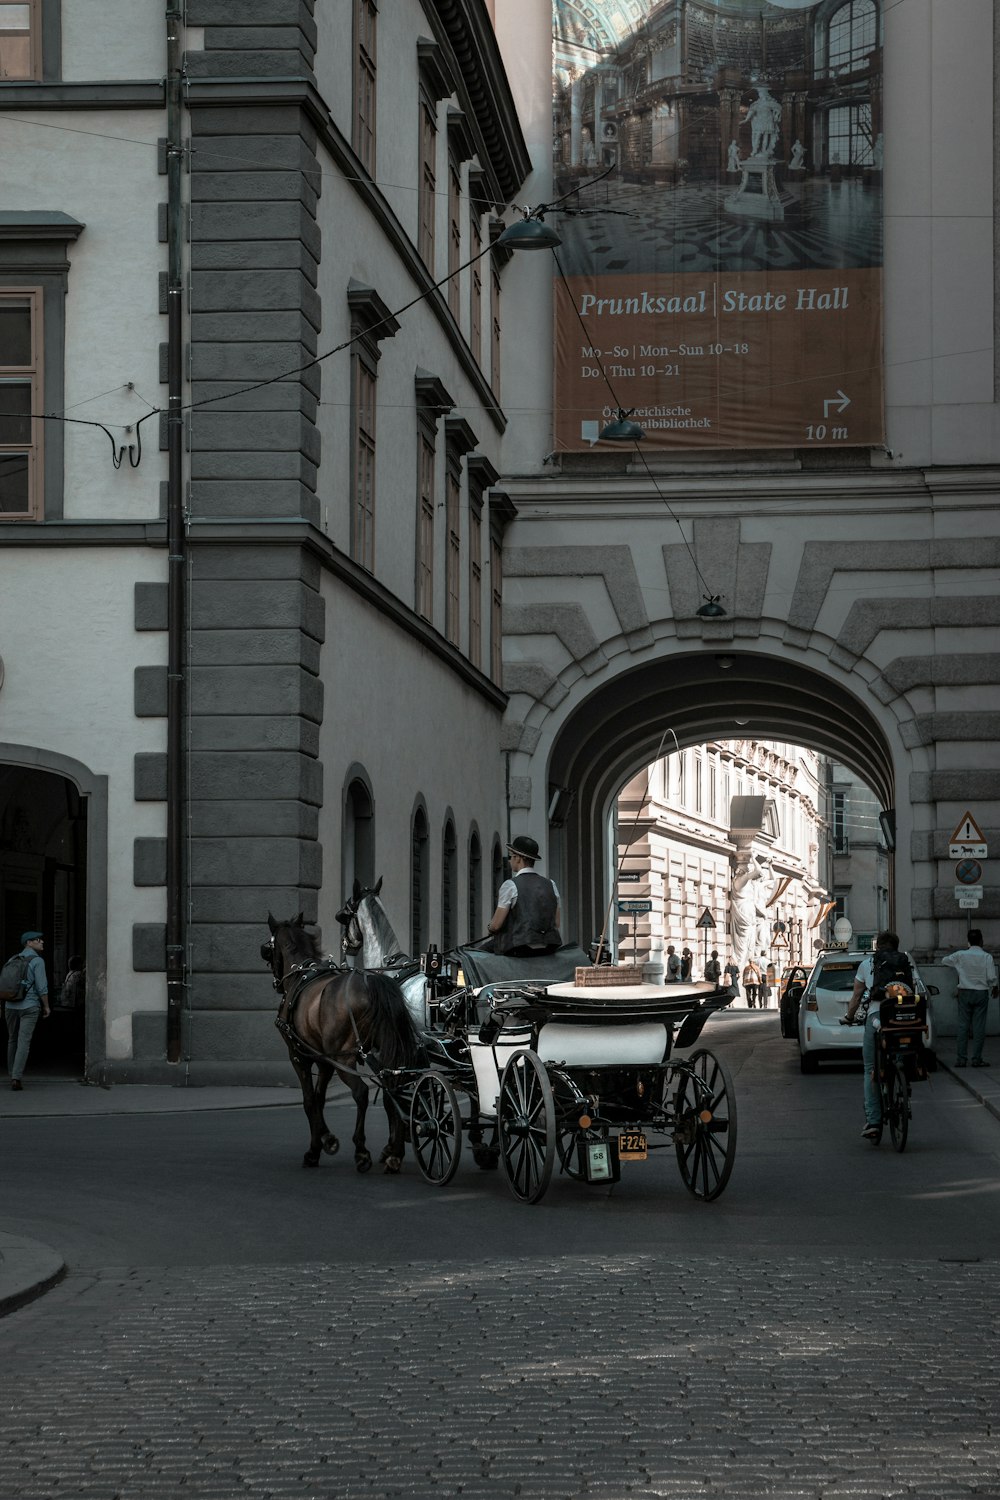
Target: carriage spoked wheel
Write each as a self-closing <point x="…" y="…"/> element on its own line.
<point x="435" y="1128"/>
<point x="705" y="1124"/>
<point x="526" y="1121"/>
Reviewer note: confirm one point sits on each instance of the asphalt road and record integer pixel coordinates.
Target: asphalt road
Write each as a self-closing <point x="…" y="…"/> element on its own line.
<point x="233" y="1325"/>
<point x="207" y="1189"/>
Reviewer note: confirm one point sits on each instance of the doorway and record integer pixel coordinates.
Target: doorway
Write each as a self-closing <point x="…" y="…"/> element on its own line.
<point x="43" y="885"/>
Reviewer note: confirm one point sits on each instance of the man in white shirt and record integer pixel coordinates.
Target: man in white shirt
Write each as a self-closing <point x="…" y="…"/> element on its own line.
<point x="526" y="921"/>
<point x="977" y="980"/>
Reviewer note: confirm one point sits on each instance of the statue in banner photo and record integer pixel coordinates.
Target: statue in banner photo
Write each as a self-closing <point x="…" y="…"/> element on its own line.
<point x="797" y="162"/>
<point x="764" y="119"/>
<point x="734" y="157"/>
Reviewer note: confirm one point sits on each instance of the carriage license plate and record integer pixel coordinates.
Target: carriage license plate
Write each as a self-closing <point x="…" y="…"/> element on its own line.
<point x="631" y="1146"/>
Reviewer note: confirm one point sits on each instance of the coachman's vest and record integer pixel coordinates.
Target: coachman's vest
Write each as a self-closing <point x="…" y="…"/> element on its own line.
<point x="531" y="921"/>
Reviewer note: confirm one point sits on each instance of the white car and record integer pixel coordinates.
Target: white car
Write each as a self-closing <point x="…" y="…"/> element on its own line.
<point x="824" y="1002"/>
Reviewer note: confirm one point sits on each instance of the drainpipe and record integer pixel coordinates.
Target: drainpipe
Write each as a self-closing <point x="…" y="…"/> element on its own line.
<point x="176" y="935"/>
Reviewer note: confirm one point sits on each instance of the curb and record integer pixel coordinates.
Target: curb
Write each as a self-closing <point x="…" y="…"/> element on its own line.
<point x="991" y="1103"/>
<point x="28" y="1269"/>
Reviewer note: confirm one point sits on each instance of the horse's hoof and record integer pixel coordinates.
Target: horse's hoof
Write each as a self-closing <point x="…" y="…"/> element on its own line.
<point x="331" y="1145"/>
<point x="363" y="1163"/>
<point x="310" y="1161"/>
<point x="393" y="1165"/>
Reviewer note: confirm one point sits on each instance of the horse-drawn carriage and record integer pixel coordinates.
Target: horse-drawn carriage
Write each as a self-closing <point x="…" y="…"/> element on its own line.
<point x="535" y="1072"/>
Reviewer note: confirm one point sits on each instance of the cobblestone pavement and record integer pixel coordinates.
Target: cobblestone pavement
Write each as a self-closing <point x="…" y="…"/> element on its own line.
<point x="709" y="1377"/>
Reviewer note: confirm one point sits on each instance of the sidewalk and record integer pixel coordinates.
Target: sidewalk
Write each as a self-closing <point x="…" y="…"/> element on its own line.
<point x="29" y="1268"/>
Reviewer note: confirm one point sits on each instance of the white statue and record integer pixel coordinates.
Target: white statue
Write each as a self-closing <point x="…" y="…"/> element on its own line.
<point x="747" y="896"/>
<point x="764" y="116"/>
<point x="734" y="157"/>
<point x="877" y="153"/>
<point x="587" y="148"/>
<point x="798" y="160"/>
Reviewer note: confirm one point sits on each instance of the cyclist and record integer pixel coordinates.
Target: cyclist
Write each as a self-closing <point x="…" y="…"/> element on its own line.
<point x="882" y="967"/>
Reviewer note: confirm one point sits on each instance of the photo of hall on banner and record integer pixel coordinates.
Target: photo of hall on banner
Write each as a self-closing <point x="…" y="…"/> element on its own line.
<point x="720" y="273"/>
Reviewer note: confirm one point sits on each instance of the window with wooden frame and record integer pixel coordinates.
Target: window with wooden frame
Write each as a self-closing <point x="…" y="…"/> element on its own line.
<point x="371" y="321"/>
<point x="495" y="332"/>
<point x="476" y="286"/>
<point x="449" y="887"/>
<point x="425" y="526"/>
<point x="419" y="880"/>
<point x="496" y="607"/>
<point x="454" y="235"/>
<point x="365" y="64"/>
<point x="427" y="182"/>
<point x="433" y="402"/>
<point x="480" y="474"/>
<point x="453" y="543"/>
<point x="20" y="40"/>
<point x="21" y="393"/>
<point x="363" y="529"/>
<point x="475" y="891"/>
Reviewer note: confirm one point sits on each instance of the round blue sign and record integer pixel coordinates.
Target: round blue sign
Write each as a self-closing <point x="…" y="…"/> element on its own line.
<point x="968" y="871"/>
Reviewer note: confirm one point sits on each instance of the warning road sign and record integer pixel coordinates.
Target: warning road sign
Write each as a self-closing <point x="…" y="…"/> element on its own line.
<point x="706" y="919"/>
<point x="968" y="841"/>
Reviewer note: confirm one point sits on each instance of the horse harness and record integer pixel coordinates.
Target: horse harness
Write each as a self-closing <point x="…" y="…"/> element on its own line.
<point x="304" y="974"/>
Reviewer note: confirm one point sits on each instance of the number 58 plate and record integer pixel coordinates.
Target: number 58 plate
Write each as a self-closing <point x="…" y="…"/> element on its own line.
<point x="631" y="1146"/>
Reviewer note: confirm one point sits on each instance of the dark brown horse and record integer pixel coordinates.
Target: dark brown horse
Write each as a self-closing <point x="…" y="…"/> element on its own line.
<point x="332" y="1019"/>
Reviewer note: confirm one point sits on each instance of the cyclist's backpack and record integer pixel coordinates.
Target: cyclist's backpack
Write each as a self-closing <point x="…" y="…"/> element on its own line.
<point x="890" y="967"/>
<point x="13" y="976"/>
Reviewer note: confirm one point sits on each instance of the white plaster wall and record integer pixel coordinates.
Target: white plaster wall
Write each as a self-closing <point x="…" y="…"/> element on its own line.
<point x="113" y="324"/>
<point x="69" y="652"/>
<point x="938" y="299"/>
<point x="112" y="40"/>
<point x="437" y="750"/>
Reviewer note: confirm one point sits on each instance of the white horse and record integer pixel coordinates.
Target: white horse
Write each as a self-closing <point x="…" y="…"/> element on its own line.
<point x="369" y="933"/>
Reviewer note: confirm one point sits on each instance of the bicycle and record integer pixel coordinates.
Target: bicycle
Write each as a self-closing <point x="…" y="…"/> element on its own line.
<point x="899" y="1059"/>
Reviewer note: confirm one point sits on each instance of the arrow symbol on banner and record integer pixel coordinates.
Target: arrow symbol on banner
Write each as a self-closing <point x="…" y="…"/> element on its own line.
<point x="841" y="401"/>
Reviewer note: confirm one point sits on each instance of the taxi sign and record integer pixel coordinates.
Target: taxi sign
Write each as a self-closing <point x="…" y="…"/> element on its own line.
<point x="967" y="903"/>
<point x="969" y="890"/>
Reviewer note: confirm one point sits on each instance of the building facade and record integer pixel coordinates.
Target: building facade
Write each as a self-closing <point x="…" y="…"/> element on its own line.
<point x="251" y="344"/>
<point x="692" y="821"/>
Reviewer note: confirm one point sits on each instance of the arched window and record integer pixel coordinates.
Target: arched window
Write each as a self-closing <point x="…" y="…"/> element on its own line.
<point x="358" y="841"/>
<point x="449" y="887"/>
<point x="496" y="873"/>
<point x="475" y="886"/>
<point x="419" y="875"/>
<point x="852" y="33"/>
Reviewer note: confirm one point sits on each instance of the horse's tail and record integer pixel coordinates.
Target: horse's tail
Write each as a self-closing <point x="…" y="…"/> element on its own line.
<point x="391" y="1032"/>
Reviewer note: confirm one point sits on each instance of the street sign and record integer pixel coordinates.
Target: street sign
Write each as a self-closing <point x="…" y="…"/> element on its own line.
<point x="633" y="907"/>
<point x="968" y="841"/>
<point x="969" y="890"/>
<point x="630" y="877"/>
<point x="706" y="919"/>
<point x="968" y="903"/>
<point x="969" y="871"/>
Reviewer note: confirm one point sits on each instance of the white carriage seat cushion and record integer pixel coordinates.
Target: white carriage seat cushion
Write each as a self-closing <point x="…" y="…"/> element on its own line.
<point x="578" y="1045"/>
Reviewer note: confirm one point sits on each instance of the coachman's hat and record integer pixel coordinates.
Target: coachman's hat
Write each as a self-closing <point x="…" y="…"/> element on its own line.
<point x="524" y="846"/>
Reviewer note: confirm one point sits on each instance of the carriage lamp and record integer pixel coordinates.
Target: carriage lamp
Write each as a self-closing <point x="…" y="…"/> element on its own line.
<point x="431" y="961"/>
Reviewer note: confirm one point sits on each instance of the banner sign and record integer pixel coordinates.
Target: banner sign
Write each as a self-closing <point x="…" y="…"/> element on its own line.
<point x="719" y="168"/>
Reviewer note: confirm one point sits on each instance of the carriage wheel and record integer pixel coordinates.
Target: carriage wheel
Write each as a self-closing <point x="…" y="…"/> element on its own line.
<point x="526" y="1117"/>
<point x="705" y="1120"/>
<point x="566" y="1152"/>
<point x="435" y="1128"/>
<point x="898" y="1105"/>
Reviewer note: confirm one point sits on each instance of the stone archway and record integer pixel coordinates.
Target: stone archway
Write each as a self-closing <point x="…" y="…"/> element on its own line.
<point x="618" y="728"/>
<point x="64" y="872"/>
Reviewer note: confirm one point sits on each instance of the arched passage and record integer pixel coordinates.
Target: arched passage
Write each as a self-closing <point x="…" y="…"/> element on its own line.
<point x="53" y="875"/>
<point x="620" y="728"/>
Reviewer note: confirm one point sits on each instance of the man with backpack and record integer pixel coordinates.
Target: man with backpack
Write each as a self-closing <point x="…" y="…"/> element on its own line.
<point x="887" y="965"/>
<point x="31" y="1000"/>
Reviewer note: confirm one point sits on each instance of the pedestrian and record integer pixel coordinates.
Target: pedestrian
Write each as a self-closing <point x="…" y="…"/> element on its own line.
<point x="673" y="965"/>
<point x="713" y="969"/>
<point x="977" y="980"/>
<point x="885" y="966"/>
<point x="687" y="961"/>
<point x="751" y="983"/>
<point x="526" y="921"/>
<point x="71" y="996"/>
<point x="732" y="975"/>
<point x="768" y="981"/>
<point x="22" y="1014"/>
